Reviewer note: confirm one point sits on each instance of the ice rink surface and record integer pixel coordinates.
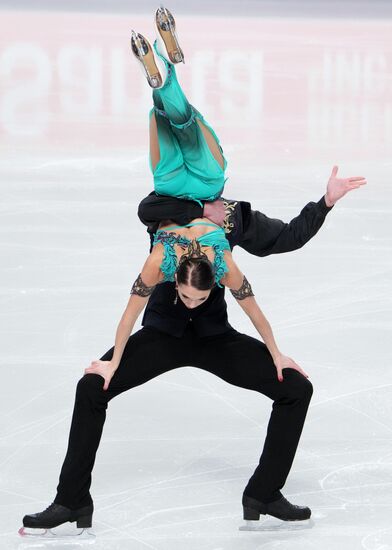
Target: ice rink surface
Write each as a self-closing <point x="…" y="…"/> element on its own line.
<point x="289" y="97"/>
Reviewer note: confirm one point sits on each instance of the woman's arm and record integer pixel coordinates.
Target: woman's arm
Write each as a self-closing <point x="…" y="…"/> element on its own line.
<point x="242" y="292"/>
<point x="140" y="293"/>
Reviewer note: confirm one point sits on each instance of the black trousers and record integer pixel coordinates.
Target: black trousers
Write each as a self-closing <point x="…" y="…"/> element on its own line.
<point x="234" y="357"/>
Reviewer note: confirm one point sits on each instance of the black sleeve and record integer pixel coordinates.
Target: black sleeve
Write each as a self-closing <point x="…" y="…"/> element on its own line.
<point x="250" y="229"/>
<point x="263" y="236"/>
<point x="154" y="209"/>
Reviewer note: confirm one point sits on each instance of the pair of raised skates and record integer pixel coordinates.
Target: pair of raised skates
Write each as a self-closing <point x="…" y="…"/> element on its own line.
<point x="167" y="45"/>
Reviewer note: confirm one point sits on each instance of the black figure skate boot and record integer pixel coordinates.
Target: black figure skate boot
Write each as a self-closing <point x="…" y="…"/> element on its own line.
<point x="167" y="40"/>
<point x="55" y="515"/>
<point x="281" y="509"/>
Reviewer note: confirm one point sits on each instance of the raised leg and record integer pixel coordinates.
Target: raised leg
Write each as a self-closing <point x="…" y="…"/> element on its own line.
<point x="155" y="150"/>
<point x="199" y="144"/>
<point x="212" y="143"/>
<point x="154" y="143"/>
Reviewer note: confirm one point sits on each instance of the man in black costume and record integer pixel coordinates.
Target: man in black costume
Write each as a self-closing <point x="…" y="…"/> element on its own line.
<point x="173" y="336"/>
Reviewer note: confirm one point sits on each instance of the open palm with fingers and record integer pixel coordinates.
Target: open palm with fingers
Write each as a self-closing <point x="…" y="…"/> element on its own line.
<point x="338" y="187"/>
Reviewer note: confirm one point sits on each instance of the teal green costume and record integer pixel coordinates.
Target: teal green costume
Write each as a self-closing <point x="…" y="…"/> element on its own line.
<point x="187" y="169"/>
<point x="214" y="239"/>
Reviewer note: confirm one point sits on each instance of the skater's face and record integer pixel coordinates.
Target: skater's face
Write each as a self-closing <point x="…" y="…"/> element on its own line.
<point x="191" y="296"/>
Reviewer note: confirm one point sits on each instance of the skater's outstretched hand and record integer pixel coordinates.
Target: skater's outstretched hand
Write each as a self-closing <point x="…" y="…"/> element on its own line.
<point x="283" y="362"/>
<point x="104" y="368"/>
<point x="338" y="187"/>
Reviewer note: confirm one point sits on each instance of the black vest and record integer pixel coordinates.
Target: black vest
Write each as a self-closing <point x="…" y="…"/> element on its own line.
<point x="207" y="319"/>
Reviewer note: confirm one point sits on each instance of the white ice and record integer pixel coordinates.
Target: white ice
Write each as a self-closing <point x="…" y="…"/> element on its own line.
<point x="289" y="98"/>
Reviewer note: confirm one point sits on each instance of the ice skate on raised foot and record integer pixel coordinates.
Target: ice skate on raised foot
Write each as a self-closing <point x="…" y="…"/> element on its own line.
<point x="152" y="66"/>
<point x="281" y="509"/>
<point x="55" y="515"/>
<point x="167" y="39"/>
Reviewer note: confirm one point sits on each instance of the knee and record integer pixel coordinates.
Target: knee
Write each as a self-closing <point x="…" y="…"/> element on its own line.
<point x="144" y="211"/>
<point x="299" y="387"/>
<point x="308" y="389"/>
<point x="90" y="387"/>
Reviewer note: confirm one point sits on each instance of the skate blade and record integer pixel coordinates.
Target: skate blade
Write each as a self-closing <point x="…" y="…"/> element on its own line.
<point x="274" y="524"/>
<point x="63" y="533"/>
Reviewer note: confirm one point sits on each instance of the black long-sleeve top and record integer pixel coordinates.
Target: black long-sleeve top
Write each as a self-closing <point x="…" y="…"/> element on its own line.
<point x="250" y="229"/>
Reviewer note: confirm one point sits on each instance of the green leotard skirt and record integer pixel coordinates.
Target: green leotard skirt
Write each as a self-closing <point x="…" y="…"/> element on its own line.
<point x="187" y="169"/>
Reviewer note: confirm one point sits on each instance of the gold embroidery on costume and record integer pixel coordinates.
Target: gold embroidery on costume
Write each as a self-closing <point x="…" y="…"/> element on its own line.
<point x="244" y="291"/>
<point x="194" y="252"/>
<point x="229" y="210"/>
<point x="140" y="288"/>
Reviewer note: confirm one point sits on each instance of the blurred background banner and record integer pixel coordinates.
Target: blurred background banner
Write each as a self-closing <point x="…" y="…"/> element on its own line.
<point x="69" y="79"/>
